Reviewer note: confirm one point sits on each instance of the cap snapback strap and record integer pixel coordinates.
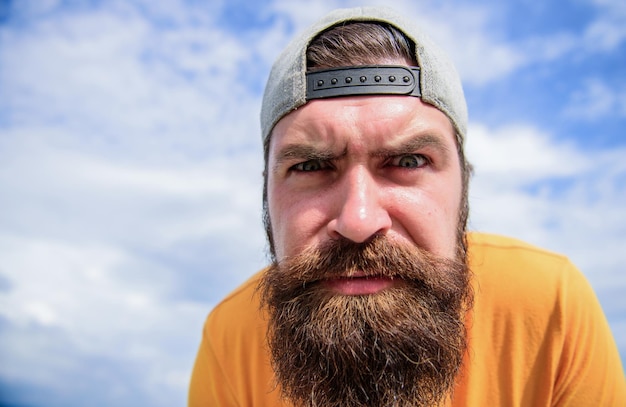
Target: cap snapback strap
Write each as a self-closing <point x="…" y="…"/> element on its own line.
<point x="363" y="80"/>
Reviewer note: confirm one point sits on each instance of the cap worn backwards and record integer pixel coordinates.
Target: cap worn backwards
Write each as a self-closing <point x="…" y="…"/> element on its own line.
<point x="435" y="79"/>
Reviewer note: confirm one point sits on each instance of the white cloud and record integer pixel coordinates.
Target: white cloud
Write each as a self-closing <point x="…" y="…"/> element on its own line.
<point x="106" y="198"/>
<point x="37" y="7"/>
<point x="603" y="32"/>
<point x="144" y="89"/>
<point x="595" y="100"/>
<point x="465" y="34"/>
<point x="130" y="171"/>
<point x="605" y="35"/>
<point x="608" y="31"/>
<point x="83" y="292"/>
<point x="521" y="153"/>
<point x="302" y="14"/>
<point x="87" y="250"/>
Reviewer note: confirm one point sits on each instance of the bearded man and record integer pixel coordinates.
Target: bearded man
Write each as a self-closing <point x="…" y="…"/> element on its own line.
<point x="376" y="295"/>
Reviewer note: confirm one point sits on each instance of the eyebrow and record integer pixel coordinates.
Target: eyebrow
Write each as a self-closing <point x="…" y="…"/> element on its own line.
<point x="304" y="152"/>
<point x="414" y="144"/>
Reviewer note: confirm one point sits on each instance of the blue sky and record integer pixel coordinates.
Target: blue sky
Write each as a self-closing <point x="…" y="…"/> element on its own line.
<point x="130" y="168"/>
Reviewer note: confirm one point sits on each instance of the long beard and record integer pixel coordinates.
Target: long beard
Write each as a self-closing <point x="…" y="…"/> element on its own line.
<point x="402" y="346"/>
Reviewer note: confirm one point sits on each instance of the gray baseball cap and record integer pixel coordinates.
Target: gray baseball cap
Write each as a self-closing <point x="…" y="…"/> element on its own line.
<point x="436" y="81"/>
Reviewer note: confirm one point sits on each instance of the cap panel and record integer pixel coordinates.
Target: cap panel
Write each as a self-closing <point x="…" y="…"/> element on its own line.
<point x="441" y="84"/>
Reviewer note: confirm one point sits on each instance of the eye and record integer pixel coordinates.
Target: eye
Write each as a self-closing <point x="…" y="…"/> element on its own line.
<point x="310" y="165"/>
<point x="410" y="161"/>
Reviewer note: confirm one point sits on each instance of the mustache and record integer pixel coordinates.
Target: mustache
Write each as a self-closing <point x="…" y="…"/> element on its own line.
<point x="377" y="257"/>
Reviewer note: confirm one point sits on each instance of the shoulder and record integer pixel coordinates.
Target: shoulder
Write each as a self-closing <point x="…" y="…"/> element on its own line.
<point x="512" y="273"/>
<point x="481" y="244"/>
<point x="493" y="256"/>
<point x="536" y="317"/>
<point x="240" y="308"/>
<point x="234" y="363"/>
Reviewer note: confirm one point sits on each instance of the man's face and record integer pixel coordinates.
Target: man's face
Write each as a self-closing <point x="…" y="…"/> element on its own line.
<point x="356" y="167"/>
<point x="368" y="293"/>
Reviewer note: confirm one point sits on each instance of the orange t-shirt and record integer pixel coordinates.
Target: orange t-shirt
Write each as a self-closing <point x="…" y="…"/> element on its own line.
<point x="537" y="337"/>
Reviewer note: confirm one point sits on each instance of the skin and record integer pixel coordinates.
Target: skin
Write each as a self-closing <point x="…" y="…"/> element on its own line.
<point x="355" y="167"/>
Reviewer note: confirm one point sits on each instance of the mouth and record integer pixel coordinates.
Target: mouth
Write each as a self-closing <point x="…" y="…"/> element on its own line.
<point x="358" y="284"/>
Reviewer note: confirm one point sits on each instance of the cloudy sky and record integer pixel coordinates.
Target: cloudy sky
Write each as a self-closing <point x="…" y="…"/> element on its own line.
<point x="130" y="168"/>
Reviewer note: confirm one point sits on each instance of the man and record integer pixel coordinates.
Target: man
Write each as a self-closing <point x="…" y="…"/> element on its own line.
<point x="376" y="296"/>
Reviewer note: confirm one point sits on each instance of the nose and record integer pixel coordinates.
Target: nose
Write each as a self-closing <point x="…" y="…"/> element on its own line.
<point x="361" y="212"/>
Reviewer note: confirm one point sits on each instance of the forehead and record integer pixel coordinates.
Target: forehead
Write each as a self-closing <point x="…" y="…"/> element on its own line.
<point x="374" y="120"/>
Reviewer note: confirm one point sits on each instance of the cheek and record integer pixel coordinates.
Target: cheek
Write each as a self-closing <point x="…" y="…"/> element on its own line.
<point x="287" y="220"/>
<point x="449" y="207"/>
<point x="297" y="222"/>
<point x="276" y="217"/>
<point x="429" y="217"/>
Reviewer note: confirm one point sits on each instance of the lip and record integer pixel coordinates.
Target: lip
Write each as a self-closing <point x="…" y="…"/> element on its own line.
<point x="359" y="284"/>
